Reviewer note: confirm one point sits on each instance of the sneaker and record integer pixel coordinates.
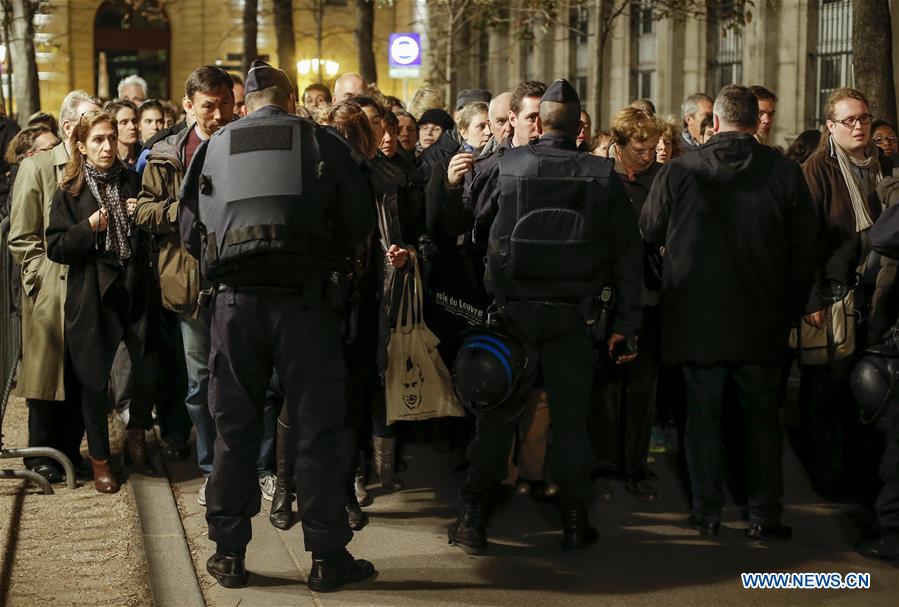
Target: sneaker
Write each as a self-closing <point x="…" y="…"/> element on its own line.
<point x="201" y="494"/>
<point x="267" y="485"/>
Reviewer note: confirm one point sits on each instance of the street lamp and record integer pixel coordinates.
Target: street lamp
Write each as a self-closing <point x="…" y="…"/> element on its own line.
<point x="327" y="67"/>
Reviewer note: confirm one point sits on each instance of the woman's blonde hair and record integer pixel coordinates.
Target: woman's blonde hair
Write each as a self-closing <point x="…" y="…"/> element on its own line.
<point x="468" y="113"/>
<point x="352" y="122"/>
<point x="73" y="176"/>
<point x="841" y="95"/>
<point x="427" y="98"/>
<point x="634" y="124"/>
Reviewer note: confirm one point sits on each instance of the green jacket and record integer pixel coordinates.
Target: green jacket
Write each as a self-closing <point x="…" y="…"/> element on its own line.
<point x="157" y="213"/>
<point x="43" y="281"/>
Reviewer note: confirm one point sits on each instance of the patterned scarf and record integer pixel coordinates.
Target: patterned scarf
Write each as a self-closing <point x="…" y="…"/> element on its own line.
<point x="104" y="185"/>
<point x="871" y="166"/>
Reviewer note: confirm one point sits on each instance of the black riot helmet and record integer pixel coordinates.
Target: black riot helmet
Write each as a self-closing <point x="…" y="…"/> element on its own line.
<point x="490" y="374"/>
<point x="875" y="389"/>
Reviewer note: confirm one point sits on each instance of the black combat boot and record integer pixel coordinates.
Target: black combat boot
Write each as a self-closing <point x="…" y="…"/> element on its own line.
<point x="469" y="532"/>
<point x="227" y="567"/>
<point x="885" y="547"/>
<point x="281" y="515"/>
<point x="337" y="569"/>
<point x="576" y="530"/>
<point x="768" y="531"/>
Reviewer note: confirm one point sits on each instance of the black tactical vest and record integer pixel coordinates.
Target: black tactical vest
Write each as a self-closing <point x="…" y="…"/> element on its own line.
<point x="263" y="201"/>
<point x="544" y="242"/>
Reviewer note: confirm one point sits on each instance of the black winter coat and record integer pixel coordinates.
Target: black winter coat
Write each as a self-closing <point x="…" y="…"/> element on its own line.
<point x="737" y="221"/>
<point x="103" y="296"/>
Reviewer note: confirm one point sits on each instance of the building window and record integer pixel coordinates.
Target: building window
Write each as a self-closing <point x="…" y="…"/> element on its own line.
<point x="834" y="51"/>
<point x="725" y="42"/>
<point x="579" y="22"/>
<point x="131" y="41"/>
<point x="643" y="50"/>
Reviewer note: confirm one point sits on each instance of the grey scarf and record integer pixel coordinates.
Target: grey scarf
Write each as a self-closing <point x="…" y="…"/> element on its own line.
<point x="872" y="166"/>
<point x="104" y="185"/>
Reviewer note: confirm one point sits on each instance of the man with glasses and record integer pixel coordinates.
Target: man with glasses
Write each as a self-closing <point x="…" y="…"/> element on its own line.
<point x="625" y="395"/>
<point x="767" y="108"/>
<point x="842" y="176"/>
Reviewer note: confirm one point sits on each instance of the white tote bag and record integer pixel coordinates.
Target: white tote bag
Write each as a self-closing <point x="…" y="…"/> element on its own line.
<point x="418" y="384"/>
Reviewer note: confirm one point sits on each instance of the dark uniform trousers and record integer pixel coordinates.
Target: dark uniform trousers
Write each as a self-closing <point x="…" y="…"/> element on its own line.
<point x="557" y="335"/>
<point x="887" y="504"/>
<point x="758" y="395"/>
<point x="254" y="330"/>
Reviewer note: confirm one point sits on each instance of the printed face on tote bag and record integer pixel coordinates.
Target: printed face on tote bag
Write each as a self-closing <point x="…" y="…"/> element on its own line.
<point x="413" y="380"/>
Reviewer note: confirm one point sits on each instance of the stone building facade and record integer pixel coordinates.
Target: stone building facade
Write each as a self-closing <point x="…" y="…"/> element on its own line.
<point x="800" y="49"/>
<point x="72" y="35"/>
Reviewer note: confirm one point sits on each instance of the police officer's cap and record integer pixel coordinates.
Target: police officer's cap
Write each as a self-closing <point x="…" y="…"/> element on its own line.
<point x="262" y="76"/>
<point x="561" y="91"/>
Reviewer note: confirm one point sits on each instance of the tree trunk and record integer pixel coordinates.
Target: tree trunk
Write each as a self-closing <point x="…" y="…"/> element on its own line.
<point x="250" y="30"/>
<point x="26" y="87"/>
<point x="319" y="36"/>
<point x="597" y="66"/>
<point x="287" y="48"/>
<point x="365" y="27"/>
<point x="872" y="56"/>
<point x="450" y="59"/>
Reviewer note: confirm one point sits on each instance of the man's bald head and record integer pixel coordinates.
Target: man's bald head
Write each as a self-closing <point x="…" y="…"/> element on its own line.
<point x="498" y="115"/>
<point x="347" y="86"/>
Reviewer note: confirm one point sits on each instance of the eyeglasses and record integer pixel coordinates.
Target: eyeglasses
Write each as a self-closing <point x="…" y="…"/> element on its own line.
<point x="850" y="122"/>
<point x="645" y="153"/>
<point x="887" y="139"/>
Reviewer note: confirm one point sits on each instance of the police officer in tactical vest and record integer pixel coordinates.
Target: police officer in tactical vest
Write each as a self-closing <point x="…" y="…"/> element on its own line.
<point x="271" y="203"/>
<point x="561" y="228"/>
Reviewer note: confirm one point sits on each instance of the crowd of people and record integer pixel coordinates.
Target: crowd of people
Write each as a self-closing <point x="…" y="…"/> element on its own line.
<point x="716" y="244"/>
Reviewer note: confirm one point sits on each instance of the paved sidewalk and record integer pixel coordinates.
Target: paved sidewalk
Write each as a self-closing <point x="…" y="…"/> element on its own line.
<point x="646" y="555"/>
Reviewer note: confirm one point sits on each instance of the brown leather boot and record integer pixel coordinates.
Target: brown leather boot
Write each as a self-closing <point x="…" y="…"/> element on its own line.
<point x="105" y="480"/>
<point x="136" y="447"/>
<point x="384" y="459"/>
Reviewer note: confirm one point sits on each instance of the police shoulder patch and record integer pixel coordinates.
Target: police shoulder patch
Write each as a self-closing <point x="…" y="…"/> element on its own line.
<point x="263" y="137"/>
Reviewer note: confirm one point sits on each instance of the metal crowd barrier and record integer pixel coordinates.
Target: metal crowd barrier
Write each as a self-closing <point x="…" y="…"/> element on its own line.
<point x="10" y="353"/>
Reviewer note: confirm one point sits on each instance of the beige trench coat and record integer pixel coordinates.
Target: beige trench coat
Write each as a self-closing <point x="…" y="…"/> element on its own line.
<point x="43" y="281"/>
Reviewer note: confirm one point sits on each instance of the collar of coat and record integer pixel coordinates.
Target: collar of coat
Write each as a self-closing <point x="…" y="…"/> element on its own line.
<point x="60" y="155"/>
